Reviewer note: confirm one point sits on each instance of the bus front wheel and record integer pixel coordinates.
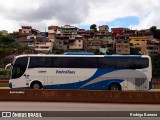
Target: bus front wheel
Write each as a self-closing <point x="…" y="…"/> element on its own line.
<point x="36" y="85"/>
<point x="115" y="86"/>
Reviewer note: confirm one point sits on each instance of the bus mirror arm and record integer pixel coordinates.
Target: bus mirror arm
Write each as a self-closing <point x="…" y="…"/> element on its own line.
<point x="8" y="65"/>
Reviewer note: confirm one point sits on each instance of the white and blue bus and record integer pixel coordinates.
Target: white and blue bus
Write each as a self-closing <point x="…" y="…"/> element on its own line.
<point x="81" y="72"/>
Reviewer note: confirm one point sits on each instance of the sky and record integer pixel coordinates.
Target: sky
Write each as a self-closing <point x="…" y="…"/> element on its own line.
<point x="133" y="14"/>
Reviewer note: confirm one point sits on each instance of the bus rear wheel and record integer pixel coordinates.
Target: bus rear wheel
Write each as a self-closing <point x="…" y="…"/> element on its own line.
<point x="36" y="85"/>
<point x="115" y="86"/>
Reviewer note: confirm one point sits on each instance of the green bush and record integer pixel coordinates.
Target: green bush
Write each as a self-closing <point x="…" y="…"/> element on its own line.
<point x="7" y="74"/>
<point x="4" y="85"/>
<point x="4" y="74"/>
<point x="1" y="71"/>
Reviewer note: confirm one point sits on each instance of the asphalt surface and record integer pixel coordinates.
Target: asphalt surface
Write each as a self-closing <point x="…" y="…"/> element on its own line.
<point x="68" y="106"/>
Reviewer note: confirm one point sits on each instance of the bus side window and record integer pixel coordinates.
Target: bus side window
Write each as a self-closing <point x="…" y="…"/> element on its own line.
<point x="54" y="62"/>
<point x="139" y="63"/>
<point x="79" y="62"/>
<point x="122" y="63"/>
<point x="37" y="62"/>
<point x="106" y="63"/>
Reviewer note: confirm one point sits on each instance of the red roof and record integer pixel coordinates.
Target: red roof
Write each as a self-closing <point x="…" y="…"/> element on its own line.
<point x="26" y="27"/>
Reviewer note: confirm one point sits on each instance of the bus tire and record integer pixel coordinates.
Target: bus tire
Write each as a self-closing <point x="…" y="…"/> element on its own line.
<point x="114" y="86"/>
<point x="36" y="85"/>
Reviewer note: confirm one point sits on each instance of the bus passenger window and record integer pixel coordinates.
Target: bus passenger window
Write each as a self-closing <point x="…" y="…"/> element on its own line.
<point x="54" y="62"/>
<point x="106" y="63"/>
<point x="122" y="63"/>
<point x="37" y="62"/>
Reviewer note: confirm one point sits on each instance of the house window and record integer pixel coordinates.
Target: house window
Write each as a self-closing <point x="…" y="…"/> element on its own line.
<point x="125" y="41"/>
<point x="118" y="41"/>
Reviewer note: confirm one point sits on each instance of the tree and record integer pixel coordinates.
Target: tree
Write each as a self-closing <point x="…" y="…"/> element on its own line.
<point x="93" y="27"/>
<point x="110" y="51"/>
<point x="5" y="39"/>
<point x="155" y="32"/>
<point x="153" y="29"/>
<point x="156" y="66"/>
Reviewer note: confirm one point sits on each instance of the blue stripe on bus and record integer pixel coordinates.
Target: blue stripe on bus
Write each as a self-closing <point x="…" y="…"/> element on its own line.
<point x="103" y="85"/>
<point x="99" y="73"/>
<point x="125" y="56"/>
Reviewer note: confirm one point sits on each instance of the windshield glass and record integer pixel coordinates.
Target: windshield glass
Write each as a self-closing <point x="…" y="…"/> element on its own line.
<point x="19" y="67"/>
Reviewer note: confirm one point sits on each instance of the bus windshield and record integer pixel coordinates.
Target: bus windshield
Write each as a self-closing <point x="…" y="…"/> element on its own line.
<point x="19" y="67"/>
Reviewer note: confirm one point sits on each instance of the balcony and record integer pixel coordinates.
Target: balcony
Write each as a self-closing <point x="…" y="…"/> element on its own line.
<point x="43" y="47"/>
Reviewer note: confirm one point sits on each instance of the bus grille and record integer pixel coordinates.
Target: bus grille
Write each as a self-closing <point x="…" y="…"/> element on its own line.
<point x="141" y="83"/>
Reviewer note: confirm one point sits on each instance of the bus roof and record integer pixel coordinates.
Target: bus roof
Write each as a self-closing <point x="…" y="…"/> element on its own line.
<point x="62" y="55"/>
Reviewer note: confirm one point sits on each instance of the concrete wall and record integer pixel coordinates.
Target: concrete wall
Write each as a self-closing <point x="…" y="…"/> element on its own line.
<point x="152" y="97"/>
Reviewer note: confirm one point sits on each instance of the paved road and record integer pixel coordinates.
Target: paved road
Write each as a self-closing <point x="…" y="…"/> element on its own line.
<point x="68" y="106"/>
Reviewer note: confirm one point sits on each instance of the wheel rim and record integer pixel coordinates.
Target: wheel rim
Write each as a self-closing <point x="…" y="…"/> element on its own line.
<point x="114" y="87"/>
<point x="36" y="86"/>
